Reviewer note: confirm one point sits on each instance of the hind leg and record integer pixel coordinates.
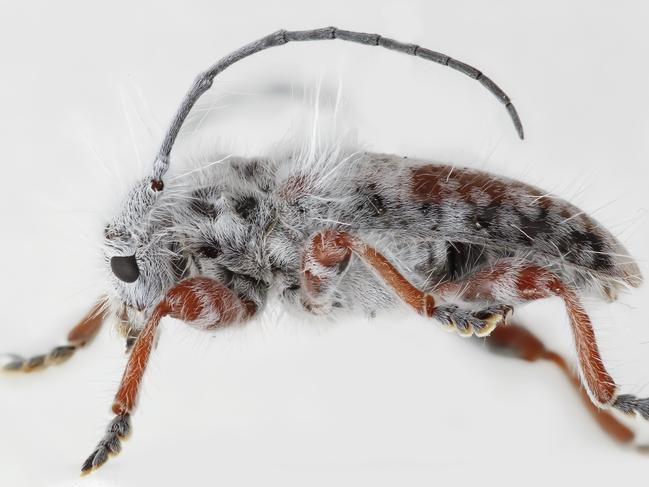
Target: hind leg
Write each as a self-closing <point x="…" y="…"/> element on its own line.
<point x="516" y="341"/>
<point x="518" y="282"/>
<point x="506" y="281"/>
<point x="80" y="335"/>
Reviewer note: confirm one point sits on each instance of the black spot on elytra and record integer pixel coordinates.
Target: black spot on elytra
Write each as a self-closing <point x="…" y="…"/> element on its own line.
<point x="370" y="200"/>
<point x="245" y="206"/>
<point x="376" y="205"/>
<point x="531" y="228"/>
<point x="250" y="170"/>
<point x="586" y="248"/>
<point x="488" y="216"/>
<point x="602" y="261"/>
<point x="210" y="250"/>
<point x="461" y="258"/>
<point x="431" y="213"/>
<point x="200" y="202"/>
<point x="582" y="239"/>
<point x="594" y="248"/>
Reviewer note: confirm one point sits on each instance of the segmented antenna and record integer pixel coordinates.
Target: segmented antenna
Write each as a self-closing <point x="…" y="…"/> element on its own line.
<point x="204" y="80"/>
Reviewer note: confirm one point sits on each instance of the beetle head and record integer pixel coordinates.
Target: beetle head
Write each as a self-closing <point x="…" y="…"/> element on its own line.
<point x="140" y="251"/>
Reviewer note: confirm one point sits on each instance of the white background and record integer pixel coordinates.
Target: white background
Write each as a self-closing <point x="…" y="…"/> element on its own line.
<point x="392" y="401"/>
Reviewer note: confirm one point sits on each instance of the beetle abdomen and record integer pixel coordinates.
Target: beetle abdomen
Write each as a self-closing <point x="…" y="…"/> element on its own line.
<point x="477" y="207"/>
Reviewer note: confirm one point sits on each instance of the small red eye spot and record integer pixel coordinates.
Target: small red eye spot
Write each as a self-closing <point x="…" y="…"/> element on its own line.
<point x="157" y="185"/>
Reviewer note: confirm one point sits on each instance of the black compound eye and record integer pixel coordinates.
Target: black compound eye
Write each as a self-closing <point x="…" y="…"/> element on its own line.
<point x="125" y="268"/>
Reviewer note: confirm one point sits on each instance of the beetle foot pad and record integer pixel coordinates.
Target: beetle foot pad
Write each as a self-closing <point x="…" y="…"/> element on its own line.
<point x="479" y="323"/>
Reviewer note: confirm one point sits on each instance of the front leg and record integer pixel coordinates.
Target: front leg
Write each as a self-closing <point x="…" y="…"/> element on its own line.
<point x="200" y="302"/>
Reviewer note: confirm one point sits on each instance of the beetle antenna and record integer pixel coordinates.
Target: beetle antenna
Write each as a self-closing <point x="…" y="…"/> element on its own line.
<point x="204" y="80"/>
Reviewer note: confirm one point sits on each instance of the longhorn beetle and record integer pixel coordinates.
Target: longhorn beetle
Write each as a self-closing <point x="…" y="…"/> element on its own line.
<point x="345" y="230"/>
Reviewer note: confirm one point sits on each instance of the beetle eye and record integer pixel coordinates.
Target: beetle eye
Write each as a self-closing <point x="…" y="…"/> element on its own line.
<point x="125" y="268"/>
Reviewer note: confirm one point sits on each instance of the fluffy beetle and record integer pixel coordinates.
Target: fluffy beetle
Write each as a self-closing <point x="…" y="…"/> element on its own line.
<point x="350" y="230"/>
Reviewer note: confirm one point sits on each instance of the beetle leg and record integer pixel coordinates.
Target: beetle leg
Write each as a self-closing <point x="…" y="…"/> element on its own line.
<point x="468" y="322"/>
<point x="200" y="302"/>
<point x="330" y="251"/>
<point x="519" y="282"/>
<point x="519" y="342"/>
<point x="506" y="281"/>
<point x="328" y="254"/>
<point x="324" y="263"/>
<point x="80" y="335"/>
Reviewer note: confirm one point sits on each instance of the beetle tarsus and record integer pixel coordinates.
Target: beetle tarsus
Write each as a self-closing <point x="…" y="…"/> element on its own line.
<point x="111" y="444"/>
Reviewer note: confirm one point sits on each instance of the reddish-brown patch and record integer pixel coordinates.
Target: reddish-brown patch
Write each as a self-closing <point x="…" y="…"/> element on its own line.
<point x="428" y="306"/>
<point x="190" y="300"/>
<point x="313" y="284"/>
<point x="530" y="348"/>
<point x="421" y="302"/>
<point x="478" y="286"/>
<point x="195" y="298"/>
<point x="184" y="302"/>
<point x="331" y="248"/>
<point x="157" y="185"/>
<point x="427" y="183"/>
<point x="88" y="327"/>
<point x="536" y="283"/>
<point x="471" y="182"/>
<point x="293" y="188"/>
<point x="126" y="396"/>
<point x="598" y="379"/>
<point x="527" y="346"/>
<point x="532" y="283"/>
<point x="436" y="183"/>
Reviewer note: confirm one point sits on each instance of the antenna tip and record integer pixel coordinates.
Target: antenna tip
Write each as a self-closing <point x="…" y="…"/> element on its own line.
<point x="516" y="119"/>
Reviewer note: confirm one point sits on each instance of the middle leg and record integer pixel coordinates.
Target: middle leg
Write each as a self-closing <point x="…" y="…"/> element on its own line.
<point x="327" y="257"/>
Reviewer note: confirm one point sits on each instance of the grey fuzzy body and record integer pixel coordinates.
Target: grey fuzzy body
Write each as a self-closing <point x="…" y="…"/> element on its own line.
<point x="246" y="222"/>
